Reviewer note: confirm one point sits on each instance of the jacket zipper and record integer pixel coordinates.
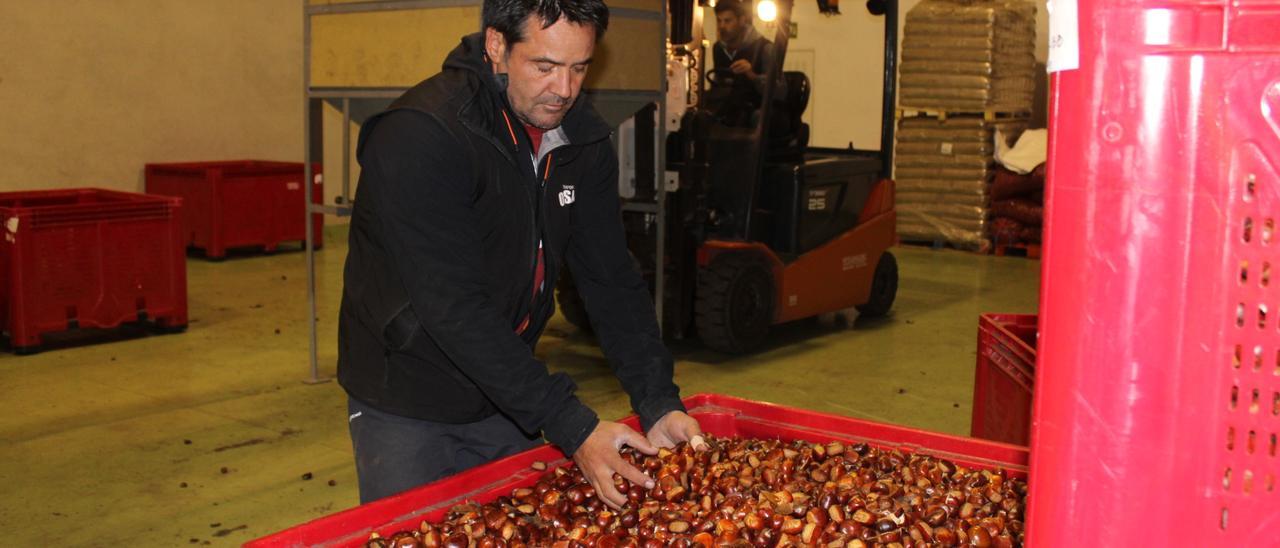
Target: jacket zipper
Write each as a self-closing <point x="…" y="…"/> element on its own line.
<point x="533" y="219"/>
<point x="539" y="245"/>
<point x="535" y="238"/>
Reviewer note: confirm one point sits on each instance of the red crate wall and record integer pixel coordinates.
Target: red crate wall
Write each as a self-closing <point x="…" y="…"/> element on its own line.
<point x="89" y="258"/>
<point x="1156" y="396"/>
<point x="1248" y="358"/>
<point x="1003" y="378"/>
<point x="240" y="203"/>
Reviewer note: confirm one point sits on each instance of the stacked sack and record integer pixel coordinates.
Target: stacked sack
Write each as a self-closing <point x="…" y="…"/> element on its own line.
<point x="1017" y="207"/>
<point x="969" y="55"/>
<point x="944" y="170"/>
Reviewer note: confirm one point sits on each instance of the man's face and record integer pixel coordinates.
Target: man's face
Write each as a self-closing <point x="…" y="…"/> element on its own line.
<point x="730" y="27"/>
<point x="545" y="70"/>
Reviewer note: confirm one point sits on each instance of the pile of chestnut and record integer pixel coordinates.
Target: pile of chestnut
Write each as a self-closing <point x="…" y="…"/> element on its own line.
<point x="749" y="493"/>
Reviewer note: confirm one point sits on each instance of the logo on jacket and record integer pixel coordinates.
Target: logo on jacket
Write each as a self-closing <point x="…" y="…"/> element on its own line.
<point x="566" y="195"/>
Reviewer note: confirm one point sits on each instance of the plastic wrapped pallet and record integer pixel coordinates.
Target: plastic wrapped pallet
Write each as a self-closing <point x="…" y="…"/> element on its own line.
<point x="969" y="55"/>
<point x="943" y="170"/>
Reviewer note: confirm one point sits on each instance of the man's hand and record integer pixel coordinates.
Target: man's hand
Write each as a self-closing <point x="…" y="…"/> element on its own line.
<point x="599" y="460"/>
<point x="743" y="66"/>
<point x="675" y="427"/>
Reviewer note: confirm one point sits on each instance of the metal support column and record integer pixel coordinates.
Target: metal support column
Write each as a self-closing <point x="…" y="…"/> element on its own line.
<point x="313" y="131"/>
<point x="346" y="149"/>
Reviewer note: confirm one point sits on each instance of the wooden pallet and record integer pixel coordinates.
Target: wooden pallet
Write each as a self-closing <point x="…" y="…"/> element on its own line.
<point x="988" y="115"/>
<point x="1030" y="251"/>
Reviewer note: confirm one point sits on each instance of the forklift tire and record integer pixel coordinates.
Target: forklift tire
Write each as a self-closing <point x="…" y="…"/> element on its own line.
<point x="884" y="287"/>
<point x="734" y="304"/>
<point x="570" y="302"/>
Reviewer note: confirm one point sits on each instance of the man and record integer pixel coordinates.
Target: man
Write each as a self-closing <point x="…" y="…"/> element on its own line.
<point x="742" y="59"/>
<point x="475" y="185"/>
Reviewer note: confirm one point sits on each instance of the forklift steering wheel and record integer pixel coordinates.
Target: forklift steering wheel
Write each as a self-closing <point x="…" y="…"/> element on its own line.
<point x="716" y="75"/>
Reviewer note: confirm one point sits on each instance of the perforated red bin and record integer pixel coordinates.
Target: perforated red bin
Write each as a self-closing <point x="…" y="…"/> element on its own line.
<point x="240" y="204"/>
<point x="1157" y="396"/>
<point x="1004" y="377"/>
<point x="719" y="415"/>
<point x="88" y="258"/>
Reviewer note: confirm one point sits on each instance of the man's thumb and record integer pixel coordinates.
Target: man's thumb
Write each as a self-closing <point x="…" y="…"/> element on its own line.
<point x="639" y="442"/>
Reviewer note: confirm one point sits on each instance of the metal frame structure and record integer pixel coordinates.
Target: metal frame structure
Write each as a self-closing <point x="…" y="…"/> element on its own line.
<point x="368" y="100"/>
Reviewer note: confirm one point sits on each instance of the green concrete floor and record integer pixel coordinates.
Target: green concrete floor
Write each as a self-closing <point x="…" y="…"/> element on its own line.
<point x="211" y="437"/>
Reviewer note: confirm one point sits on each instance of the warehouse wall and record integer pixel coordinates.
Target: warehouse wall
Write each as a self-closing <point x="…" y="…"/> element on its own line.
<point x="92" y="90"/>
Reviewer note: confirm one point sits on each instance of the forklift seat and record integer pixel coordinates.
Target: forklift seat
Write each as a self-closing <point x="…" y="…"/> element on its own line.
<point x="788" y="134"/>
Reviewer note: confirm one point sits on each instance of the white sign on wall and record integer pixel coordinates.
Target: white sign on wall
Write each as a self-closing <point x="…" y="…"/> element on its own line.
<point x="1064" y="35"/>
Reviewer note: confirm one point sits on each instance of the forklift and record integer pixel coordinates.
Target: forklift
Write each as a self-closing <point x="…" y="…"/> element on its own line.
<point x="761" y="229"/>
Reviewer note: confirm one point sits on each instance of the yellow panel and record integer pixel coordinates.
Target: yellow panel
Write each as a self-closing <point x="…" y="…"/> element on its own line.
<point x="647" y="5"/>
<point x="324" y="2"/>
<point x="630" y="57"/>
<point x="385" y="48"/>
<point x="400" y="48"/>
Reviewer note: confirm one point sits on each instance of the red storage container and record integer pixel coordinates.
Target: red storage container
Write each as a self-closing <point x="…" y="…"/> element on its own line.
<point x="1003" y="379"/>
<point x="247" y="203"/>
<point x="719" y="415"/>
<point x="88" y="258"/>
<point x="1157" y="399"/>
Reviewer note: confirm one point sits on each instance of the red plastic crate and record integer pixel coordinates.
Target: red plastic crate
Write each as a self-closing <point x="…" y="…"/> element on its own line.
<point x="1157" y="399"/>
<point x="88" y="258"/>
<point x="719" y="415"/>
<point x="246" y="203"/>
<point x="1004" y="377"/>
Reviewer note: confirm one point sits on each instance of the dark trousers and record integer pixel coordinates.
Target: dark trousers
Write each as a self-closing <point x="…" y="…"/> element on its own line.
<point x="395" y="453"/>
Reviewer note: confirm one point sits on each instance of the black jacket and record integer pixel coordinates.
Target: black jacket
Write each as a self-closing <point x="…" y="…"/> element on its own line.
<point x="756" y="50"/>
<point x="439" y="275"/>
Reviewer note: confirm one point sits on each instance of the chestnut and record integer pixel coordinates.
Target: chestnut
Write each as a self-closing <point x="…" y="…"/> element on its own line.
<point x="403" y="539"/>
<point x="811" y="533"/>
<point x="835" y="513"/>
<point x="862" y="516"/>
<point x="944" y="536"/>
<point x="457" y="540"/>
<point x="791" y="526"/>
<point x="1003" y="540"/>
<point x="979" y="537"/>
<point x="704" y="539"/>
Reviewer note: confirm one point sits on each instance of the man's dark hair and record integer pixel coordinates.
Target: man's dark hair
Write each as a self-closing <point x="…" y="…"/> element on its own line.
<point x="738" y="7"/>
<point x="508" y="16"/>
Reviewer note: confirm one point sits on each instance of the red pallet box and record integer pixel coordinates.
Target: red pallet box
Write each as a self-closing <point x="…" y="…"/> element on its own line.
<point x="244" y="203"/>
<point x="1004" y="377"/>
<point x="720" y="415"/>
<point x="88" y="258"/>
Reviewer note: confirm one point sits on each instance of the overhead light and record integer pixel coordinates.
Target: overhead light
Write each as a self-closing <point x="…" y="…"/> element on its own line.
<point x="767" y="10"/>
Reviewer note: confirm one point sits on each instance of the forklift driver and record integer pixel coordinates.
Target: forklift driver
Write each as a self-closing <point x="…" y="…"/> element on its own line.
<point x="742" y="59"/>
